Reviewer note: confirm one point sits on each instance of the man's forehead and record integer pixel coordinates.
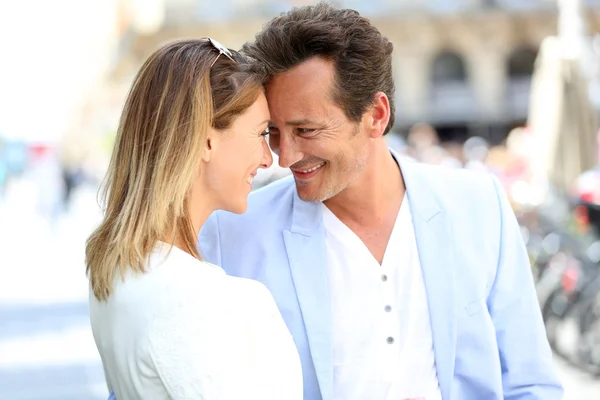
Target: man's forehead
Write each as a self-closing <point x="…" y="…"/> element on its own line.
<point x="309" y="90"/>
<point x="295" y="114"/>
<point x="313" y="77"/>
<point x="302" y="106"/>
<point x="303" y="94"/>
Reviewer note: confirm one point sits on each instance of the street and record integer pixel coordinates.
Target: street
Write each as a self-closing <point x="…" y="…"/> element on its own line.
<point x="46" y="345"/>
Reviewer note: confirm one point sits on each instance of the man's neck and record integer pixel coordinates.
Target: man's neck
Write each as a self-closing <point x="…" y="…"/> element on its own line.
<point x="375" y="195"/>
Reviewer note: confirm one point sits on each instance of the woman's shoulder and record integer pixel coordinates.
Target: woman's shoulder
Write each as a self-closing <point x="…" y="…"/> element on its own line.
<point x="253" y="296"/>
<point x="199" y="276"/>
<point x="169" y="275"/>
<point x="178" y="285"/>
<point x="173" y="264"/>
<point x="248" y="286"/>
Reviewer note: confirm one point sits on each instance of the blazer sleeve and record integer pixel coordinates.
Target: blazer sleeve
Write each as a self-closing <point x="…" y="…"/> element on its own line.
<point x="525" y="355"/>
<point x="209" y="240"/>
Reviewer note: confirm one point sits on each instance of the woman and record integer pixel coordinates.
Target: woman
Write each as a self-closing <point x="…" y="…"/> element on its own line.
<point x="166" y="323"/>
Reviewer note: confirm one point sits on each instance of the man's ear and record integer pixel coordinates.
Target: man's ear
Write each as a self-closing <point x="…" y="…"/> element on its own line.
<point x="379" y="115"/>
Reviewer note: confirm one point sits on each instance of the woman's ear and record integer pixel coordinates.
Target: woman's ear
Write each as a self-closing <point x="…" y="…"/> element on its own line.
<point x="209" y="145"/>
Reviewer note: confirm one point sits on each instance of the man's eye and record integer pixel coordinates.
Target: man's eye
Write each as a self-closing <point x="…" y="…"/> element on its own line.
<point x="303" y="131"/>
<point x="272" y="130"/>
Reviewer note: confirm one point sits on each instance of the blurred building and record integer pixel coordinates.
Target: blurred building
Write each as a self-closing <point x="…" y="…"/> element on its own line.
<point x="464" y="66"/>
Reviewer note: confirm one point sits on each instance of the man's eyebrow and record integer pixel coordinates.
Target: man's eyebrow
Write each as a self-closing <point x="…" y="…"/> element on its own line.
<point x="300" y="122"/>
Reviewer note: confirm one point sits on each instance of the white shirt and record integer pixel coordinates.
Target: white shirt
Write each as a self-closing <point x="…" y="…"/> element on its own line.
<point x="186" y="330"/>
<point x="383" y="347"/>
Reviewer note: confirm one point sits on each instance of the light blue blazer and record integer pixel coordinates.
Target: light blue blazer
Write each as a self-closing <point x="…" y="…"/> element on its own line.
<point x="488" y="335"/>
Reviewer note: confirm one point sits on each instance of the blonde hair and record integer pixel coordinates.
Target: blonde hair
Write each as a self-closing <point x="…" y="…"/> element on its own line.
<point x="175" y="98"/>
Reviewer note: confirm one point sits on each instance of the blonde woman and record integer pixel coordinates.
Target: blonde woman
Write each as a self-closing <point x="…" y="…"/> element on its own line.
<point x="166" y="323"/>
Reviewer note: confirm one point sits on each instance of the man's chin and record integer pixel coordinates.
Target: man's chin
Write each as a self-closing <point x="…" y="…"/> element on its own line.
<point x="306" y="192"/>
<point x="311" y="193"/>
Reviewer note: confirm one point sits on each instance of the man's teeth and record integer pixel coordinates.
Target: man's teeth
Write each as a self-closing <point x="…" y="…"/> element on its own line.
<point x="312" y="169"/>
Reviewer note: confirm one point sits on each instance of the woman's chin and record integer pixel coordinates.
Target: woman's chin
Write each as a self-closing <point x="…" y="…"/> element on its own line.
<point x="239" y="208"/>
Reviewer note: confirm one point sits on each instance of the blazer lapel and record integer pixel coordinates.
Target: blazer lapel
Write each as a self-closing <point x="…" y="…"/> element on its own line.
<point x="305" y="246"/>
<point x="436" y="253"/>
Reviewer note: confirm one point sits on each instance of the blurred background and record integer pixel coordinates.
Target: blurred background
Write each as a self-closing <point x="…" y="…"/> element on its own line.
<point x="507" y="87"/>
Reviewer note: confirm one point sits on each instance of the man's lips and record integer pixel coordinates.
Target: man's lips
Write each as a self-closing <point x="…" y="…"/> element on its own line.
<point x="308" y="170"/>
<point x="306" y="173"/>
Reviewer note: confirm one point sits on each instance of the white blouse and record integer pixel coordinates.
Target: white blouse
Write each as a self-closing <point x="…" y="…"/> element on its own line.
<point x="186" y="330"/>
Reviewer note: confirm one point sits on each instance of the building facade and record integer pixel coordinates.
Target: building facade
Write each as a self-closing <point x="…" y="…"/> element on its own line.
<point x="464" y="66"/>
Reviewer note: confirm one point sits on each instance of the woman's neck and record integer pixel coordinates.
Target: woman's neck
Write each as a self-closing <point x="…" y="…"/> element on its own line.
<point x="199" y="209"/>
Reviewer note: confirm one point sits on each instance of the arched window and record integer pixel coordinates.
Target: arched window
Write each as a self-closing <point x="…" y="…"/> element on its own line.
<point x="521" y="62"/>
<point x="448" y="67"/>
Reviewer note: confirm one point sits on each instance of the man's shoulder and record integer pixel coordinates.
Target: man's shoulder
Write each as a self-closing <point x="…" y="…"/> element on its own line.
<point x="449" y="182"/>
<point x="468" y="197"/>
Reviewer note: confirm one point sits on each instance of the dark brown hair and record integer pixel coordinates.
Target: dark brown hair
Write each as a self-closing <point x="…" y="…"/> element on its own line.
<point x="361" y="54"/>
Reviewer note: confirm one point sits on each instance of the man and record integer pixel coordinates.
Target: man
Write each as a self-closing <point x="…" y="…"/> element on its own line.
<point x="397" y="280"/>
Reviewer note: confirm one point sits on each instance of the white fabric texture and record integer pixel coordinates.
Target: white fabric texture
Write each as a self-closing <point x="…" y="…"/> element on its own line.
<point x="186" y="330"/>
<point x="382" y="339"/>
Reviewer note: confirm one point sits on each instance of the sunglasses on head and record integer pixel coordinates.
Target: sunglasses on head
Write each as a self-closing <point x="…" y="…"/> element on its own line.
<point x="222" y="50"/>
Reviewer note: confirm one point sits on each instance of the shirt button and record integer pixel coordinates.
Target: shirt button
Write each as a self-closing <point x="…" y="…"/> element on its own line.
<point x="388" y="308"/>
<point x="390" y="340"/>
<point x="384" y="278"/>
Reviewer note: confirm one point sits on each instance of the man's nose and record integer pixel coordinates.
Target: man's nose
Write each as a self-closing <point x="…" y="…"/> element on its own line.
<point x="287" y="150"/>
